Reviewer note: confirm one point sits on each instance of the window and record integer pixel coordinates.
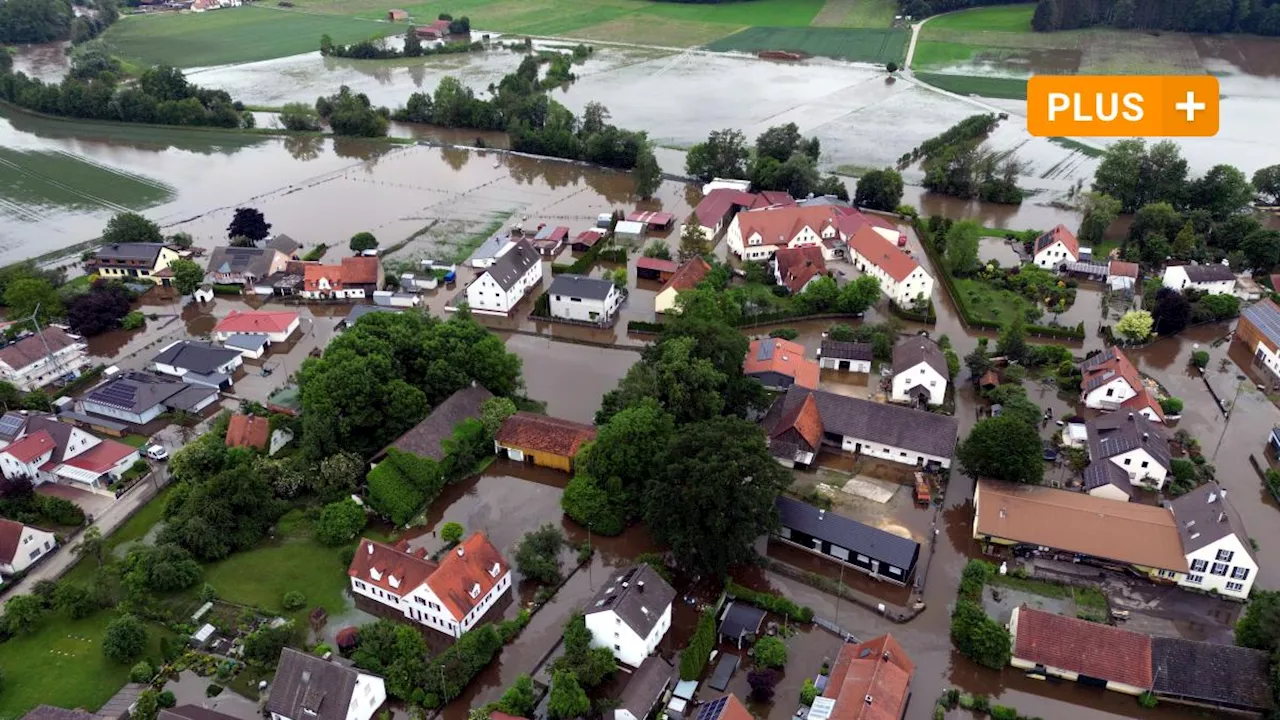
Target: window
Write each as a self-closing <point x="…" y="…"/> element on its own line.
<point x="1225" y="556"/>
<point x="1195" y="579"/>
<point x="1240" y="573"/>
<point x="617" y="647"/>
<point x="35" y="553"/>
<point x="1199" y="565"/>
<point x="1128" y="460"/>
<point x="1145" y="463"/>
<point x="1235" y="587"/>
<point x="1219" y="569"/>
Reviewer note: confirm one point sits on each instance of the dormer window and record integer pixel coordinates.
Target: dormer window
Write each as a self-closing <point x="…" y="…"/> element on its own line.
<point x="395" y="581"/>
<point x="493" y="571"/>
<point x="475" y="591"/>
<point x="375" y="574"/>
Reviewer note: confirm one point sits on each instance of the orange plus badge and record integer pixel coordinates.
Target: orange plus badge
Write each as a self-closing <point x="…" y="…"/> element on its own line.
<point x="1122" y="105"/>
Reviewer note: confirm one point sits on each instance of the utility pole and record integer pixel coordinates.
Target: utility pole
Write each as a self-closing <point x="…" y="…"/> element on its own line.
<point x="53" y="360"/>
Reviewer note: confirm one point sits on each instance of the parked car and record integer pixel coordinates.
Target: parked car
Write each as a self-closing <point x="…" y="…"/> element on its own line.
<point x="157" y="452"/>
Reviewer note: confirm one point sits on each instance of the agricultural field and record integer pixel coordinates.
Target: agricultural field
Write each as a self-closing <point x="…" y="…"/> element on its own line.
<point x="31" y="182"/>
<point x="857" y="13"/>
<point x="857" y="45"/>
<point x="990" y="87"/>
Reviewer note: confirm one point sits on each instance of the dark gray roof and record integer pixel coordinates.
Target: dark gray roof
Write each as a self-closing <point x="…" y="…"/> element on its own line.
<point x="12" y="425"/>
<point x="307" y="687"/>
<point x="741" y="618"/>
<point x="189" y="396"/>
<point x="199" y="357"/>
<point x="868" y="421"/>
<point x="193" y="712"/>
<point x="581" y="287"/>
<point x="49" y="712"/>
<point x="1204" y="517"/>
<point x="1220" y="674"/>
<point x="1102" y="378"/>
<point x="513" y="264"/>
<point x="146" y="252"/>
<point x="847" y="350"/>
<point x="1120" y="432"/>
<point x="284" y="244"/>
<point x="646" y="686"/>
<point x="847" y="533"/>
<point x="60" y="431"/>
<point x="252" y="261"/>
<point x="491" y="246"/>
<point x="638" y="595"/>
<point x="117" y="708"/>
<point x="916" y="349"/>
<point x="1104" y="472"/>
<point x="425" y="438"/>
<point x="360" y="311"/>
<point x="135" y="391"/>
<point x="1212" y="272"/>
<point x="723" y="671"/>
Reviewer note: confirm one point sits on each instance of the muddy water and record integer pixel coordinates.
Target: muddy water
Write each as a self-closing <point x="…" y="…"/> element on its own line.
<point x="571" y="379"/>
<point x="47" y="62"/>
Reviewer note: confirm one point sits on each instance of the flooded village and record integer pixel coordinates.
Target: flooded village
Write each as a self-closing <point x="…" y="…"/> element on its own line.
<point x="444" y="209"/>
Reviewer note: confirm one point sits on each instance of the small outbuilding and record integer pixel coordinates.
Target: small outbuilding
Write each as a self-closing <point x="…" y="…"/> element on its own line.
<point x="203" y="294"/>
<point x="848" y="356"/>
<point x="541" y="440"/>
<point x="652" y="220"/>
<point x="397" y="15"/>
<point x="629" y="230"/>
<point x="740" y="623"/>
<point x="650" y="268"/>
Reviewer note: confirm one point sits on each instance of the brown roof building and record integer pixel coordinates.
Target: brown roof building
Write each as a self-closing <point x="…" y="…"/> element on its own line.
<point x="1088" y="652"/>
<point x="248" y="431"/>
<point x="796" y="267"/>
<point x="779" y="363"/>
<point x="870" y="681"/>
<point x="543" y="440"/>
<point x="426" y="439"/>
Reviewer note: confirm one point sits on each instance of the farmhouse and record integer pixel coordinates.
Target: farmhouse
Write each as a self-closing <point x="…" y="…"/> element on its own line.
<point x="42" y="357"/>
<point x="541" y="440"/>
<point x="869" y="681"/>
<point x="248" y="431"/>
<point x="285" y="283"/>
<point x="1259" y="330"/>
<point x="426" y="439"/>
<point x="276" y="327"/>
<point x="307" y="687"/>
<point x="719" y="206"/>
<point x="355" y="278"/>
<point x="795" y="268"/>
<point x="1133" y="444"/>
<point x="138" y="398"/>
<point x="132" y="261"/>
<point x="506" y="281"/>
<point x="1056" y="248"/>
<point x="1214" y="278"/>
<point x="584" y="299"/>
<point x="437" y="30"/>
<point x="757" y="234"/>
<point x="901" y="278"/>
<point x="1111" y="382"/>
<point x="244" y="265"/>
<point x="802" y="422"/>
<point x="21" y="545"/>
<point x="1081" y="651"/>
<point x="42" y="449"/>
<point x="199" y="363"/>
<point x="686" y="277"/>
<point x="778" y="364"/>
<point x="880" y="554"/>
<point x="451" y="596"/>
<point x="1219" y="553"/>
<point x="848" y="356"/>
<point x="630" y="613"/>
<point x="919" y="372"/>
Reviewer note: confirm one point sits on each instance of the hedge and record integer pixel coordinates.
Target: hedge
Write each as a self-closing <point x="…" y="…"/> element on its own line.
<point x="772" y="603"/>
<point x="641" y="326"/>
<point x="928" y="317"/>
<point x="694" y="658"/>
<point x="222" y="289"/>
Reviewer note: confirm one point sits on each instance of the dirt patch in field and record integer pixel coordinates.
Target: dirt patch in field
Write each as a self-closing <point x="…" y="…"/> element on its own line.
<point x="1252" y="55"/>
<point x="1112" y="52"/>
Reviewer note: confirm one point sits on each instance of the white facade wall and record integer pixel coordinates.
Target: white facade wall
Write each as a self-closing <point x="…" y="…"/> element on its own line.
<point x="1142" y="467"/>
<point x="139" y="418"/>
<point x="1110" y="395"/>
<point x="608" y="630"/>
<point x="890" y="452"/>
<point x="70" y="359"/>
<point x="1110" y="492"/>
<point x="1054" y="255"/>
<point x="32" y="545"/>
<point x="368" y="696"/>
<point x="422" y="606"/>
<point x="586" y="309"/>
<point x="275" y="337"/>
<point x="225" y="368"/>
<point x="920" y="374"/>
<point x="485" y="295"/>
<point x="12" y="467"/>
<point x="754" y="247"/>
<point x="1175" y="276"/>
<point x="830" y="363"/>
<point x="1227" y="555"/>
<point x="917" y="283"/>
<point x="1268" y="358"/>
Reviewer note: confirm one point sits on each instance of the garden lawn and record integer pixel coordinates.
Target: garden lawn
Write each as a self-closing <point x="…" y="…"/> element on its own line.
<point x="133" y="530"/>
<point x="62" y="664"/>
<point x="989" y="303"/>
<point x="233" y="35"/>
<point x="995" y="18"/>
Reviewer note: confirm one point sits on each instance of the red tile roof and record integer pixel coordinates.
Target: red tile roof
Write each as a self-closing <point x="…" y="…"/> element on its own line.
<point x="797" y="266"/>
<point x="248" y="431"/>
<point x="780" y="225"/>
<point x="101" y="457"/>
<point x="409" y="569"/>
<point x="689" y="275"/>
<point x="32" y="446"/>
<point x="649" y="217"/>
<point x="10" y="536"/>
<point x="733" y="709"/>
<point x="256" y="322"/>
<point x="786" y="358"/>
<point x="1059" y="233"/>
<point x="1080" y="646"/>
<point x="1119" y="364"/>
<point x="805" y="420"/>
<point x="1123" y="269"/>
<point x="1144" y="400"/>
<point x="878" y="669"/>
<point x="540" y="433"/>
<point x="588" y="237"/>
<point x="716" y="204"/>
<point x="473" y="562"/>
<point x="359" y="270"/>
<point x="657" y="264"/>
<point x="878" y="251"/>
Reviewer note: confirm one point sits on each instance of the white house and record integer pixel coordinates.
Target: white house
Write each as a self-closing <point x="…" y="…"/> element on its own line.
<point x="138" y="398"/>
<point x="919" y="371"/>
<point x="630" y="614"/>
<point x="1215" y="279"/>
<point x="847" y="356"/>
<point x="197" y="362"/>
<point x="21" y="545"/>
<point x="1055" y="248"/>
<point x="42" y="449"/>
<point x="307" y="687"/>
<point x="450" y="596"/>
<point x="902" y="279"/>
<point x="757" y="234"/>
<point x="1111" y="382"/>
<point x="1131" y="443"/>
<point x="574" y="297"/>
<point x="276" y="326"/>
<point x="506" y="281"/>
<point x="1219" y="553"/>
<point x="39" y="359"/>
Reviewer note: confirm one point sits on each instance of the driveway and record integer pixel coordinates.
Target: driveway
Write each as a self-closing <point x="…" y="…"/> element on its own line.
<point x="93" y="504"/>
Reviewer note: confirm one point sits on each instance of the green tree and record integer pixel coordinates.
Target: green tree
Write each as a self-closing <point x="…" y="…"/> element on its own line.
<point x="590" y="665"/>
<point x="657" y="249"/>
<point x="299" y="117"/>
<point x="978" y="637"/>
<point x="710" y="525"/>
<point x="646" y="174"/>
<point x="601" y="507"/>
<point x="1186" y="246"/>
<point x="125" y="639"/>
<point x="74" y="600"/>
<point x="771" y="652"/>
<point x="1100" y="210"/>
<point x="1003" y="448"/>
<point x="148" y="705"/>
<point x="538" y="554"/>
<point x="879" y="190"/>
<point x="412" y="43"/>
<point x="629" y="446"/>
<point x="1013" y="340"/>
<point x="92" y="545"/>
<point x="34" y="21"/>
<point x="568" y="699"/>
<point x="1223" y="191"/>
<point x="452" y="532"/>
<point x="782" y="142"/>
<point x="686" y="385"/>
<point x="962" y="247"/>
<point x="693" y="241"/>
<point x="187" y="276"/>
<point x="250" y="223"/>
<point x="723" y="155"/>
<point x="160" y="568"/>
<point x="362" y="241"/>
<point x="23" y="614"/>
<point x="339" y="522"/>
<point x="1135" y="326"/>
<point x="1261" y="250"/>
<point x="1267" y="182"/>
<point x="24" y="296"/>
<point x="520" y="699"/>
<point x="494" y="412"/>
<point x="1259" y="627"/>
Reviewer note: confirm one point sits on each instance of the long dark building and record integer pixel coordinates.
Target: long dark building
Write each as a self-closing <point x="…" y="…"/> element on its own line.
<point x="871" y="550"/>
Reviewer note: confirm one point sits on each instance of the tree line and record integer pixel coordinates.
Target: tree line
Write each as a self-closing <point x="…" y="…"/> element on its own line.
<point x="41" y="21"/>
<point x="955" y="163"/>
<point x="781" y="159"/>
<point x="1259" y="17"/>
<point x="376" y="49"/>
<point x="924" y="8"/>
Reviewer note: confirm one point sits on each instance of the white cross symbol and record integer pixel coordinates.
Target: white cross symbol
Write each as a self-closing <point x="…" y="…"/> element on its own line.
<point x="1190" y="106"/>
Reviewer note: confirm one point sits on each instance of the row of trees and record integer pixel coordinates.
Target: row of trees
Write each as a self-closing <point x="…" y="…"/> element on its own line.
<point x="925" y="8"/>
<point x="377" y="49"/>
<point x="781" y="159"/>
<point x="955" y="163"/>
<point x="42" y="21"/>
<point x="1260" y="17"/>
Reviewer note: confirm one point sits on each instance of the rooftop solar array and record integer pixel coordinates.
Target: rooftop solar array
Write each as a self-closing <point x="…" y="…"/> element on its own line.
<point x="1266" y="319"/>
<point x="712" y="710"/>
<point x="766" y="350"/>
<point x="11" y="424"/>
<point x="118" y="393"/>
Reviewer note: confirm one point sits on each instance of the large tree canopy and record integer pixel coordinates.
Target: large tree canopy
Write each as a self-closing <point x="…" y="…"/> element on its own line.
<point x="1004" y="448"/>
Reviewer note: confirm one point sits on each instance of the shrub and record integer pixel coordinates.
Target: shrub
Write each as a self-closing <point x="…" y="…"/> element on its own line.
<point x="772" y="603"/>
<point x="975" y="575"/>
<point x="132" y="321"/>
<point x="1200" y="359"/>
<point x="166" y="699"/>
<point x="593" y="506"/>
<point x="141" y="672"/>
<point x="459" y="664"/>
<point x="125" y="639"/>
<point x="293" y="600"/>
<point x="451" y="532"/>
<point x="509" y="629"/>
<point x="1003" y="712"/>
<point x="1148" y="700"/>
<point x="771" y="652"/>
<point x="977" y="636"/>
<point x="762" y="683"/>
<point x="808" y="692"/>
<point x="1171" y="405"/>
<point x="214" y="690"/>
<point x="538" y="554"/>
<point x="339" y="522"/>
<point x="694" y="658"/>
<point x="785" y="333"/>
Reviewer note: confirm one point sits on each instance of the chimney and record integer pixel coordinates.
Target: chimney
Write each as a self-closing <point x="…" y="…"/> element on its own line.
<point x="1222" y="517"/>
<point x="1212" y="496"/>
<point x="1130" y="417"/>
<point x="886" y="656"/>
<point x="1146" y="437"/>
<point x="821" y="513"/>
<point x="640" y="586"/>
<point x="461" y="552"/>
<point x="869" y="699"/>
<point x="370" y="546"/>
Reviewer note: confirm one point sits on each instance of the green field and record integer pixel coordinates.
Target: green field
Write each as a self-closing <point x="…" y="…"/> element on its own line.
<point x="996" y="18"/>
<point x="988" y="303"/>
<point x="858" y="45"/>
<point x="31" y="182"/>
<point x="236" y="35"/>
<point x="992" y="87"/>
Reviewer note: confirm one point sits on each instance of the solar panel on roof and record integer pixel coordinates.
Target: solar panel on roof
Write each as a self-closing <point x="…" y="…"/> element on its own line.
<point x="10" y="424"/>
<point x="1267" y="321"/>
<point x="712" y="710"/>
<point x="766" y="351"/>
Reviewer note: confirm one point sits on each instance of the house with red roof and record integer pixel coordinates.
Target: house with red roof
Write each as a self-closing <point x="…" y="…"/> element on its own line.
<point x="1056" y="248"/>
<point x="718" y="207"/>
<point x="249" y="431"/>
<point x="22" y="545"/>
<point x="451" y="595"/>
<point x="1088" y="653"/>
<point x="42" y="449"/>
<point x="686" y="277"/>
<point x="757" y="234"/>
<point x="778" y="364"/>
<point x="276" y="326"/>
<point x="869" y="681"/>
<point x="795" y="268"/>
<point x="1111" y="382"/>
<point x="542" y="440"/>
<point x="355" y="278"/>
<point x="26" y="363"/>
<point x="901" y="278"/>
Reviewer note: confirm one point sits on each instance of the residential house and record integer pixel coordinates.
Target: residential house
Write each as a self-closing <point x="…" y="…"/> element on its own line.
<point x="199" y="363"/>
<point x="757" y="234"/>
<point x="720" y="205"/>
<point x="549" y="241"/>
<point x="1089" y="530"/>
<point x="308" y="687"/>
<point x="356" y="277"/>
<point x="276" y="327"/>
<point x="1111" y="382"/>
<point x="450" y="596"/>
<point x="645" y="690"/>
<point x="1259" y="330"/>
<point x="21" y="545"/>
<point x="902" y="279"/>
<point x="847" y="356"/>
<point x="249" y="346"/>
<point x="1219" y="553"/>
<point x="1080" y="651"/>
<point x="803" y="422"/>
<point x="248" y="431"/>
<point x="42" y="449"/>
<point x="244" y="265"/>
<point x="426" y="439"/>
<point x="778" y="364"/>
<point x="41" y="358"/>
<point x="795" y="268"/>
<point x="286" y="283"/>
<point x="869" y="681"/>
<point x="652" y="268"/>
<point x="138" y="398"/>
<point x="505" y="282"/>
<point x="1213" y="278"/>
<point x="1056" y="248"/>
<point x="285" y="245"/>
<point x="490" y="250"/>
<point x="728" y="707"/>
<point x="880" y="554"/>
<point x="652" y="220"/>
<point x="585" y="299"/>
<point x="1133" y="444"/>
<point x="1210" y="674"/>
<point x="686" y="277"/>
<point x="132" y="262"/>
<point x="630" y="614"/>
<point x="542" y="440"/>
<point x="920" y="372"/>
